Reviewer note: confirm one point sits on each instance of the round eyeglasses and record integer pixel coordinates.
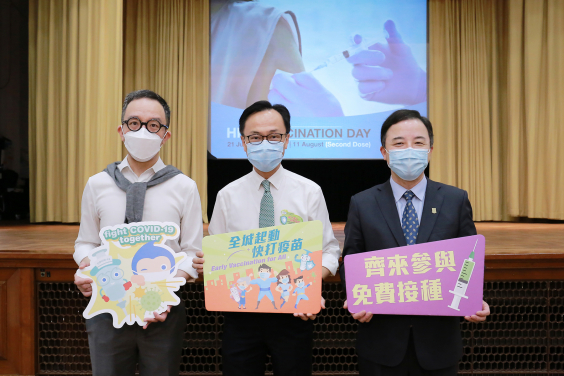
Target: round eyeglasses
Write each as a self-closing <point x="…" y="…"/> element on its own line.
<point x="273" y="138"/>
<point x="153" y="126"/>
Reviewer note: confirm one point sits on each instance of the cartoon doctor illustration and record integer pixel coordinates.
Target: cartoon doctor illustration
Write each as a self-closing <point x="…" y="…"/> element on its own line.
<point x="152" y="263"/>
<point x="305" y="261"/>
<point x="109" y="276"/>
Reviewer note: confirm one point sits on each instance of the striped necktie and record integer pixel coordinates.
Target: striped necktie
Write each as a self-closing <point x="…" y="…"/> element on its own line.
<point x="266" y="216"/>
<point x="409" y="222"/>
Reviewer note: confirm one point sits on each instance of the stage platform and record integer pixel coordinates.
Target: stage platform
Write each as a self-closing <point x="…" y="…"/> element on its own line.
<point x="501" y="238"/>
<point x="532" y="248"/>
<point x="42" y="328"/>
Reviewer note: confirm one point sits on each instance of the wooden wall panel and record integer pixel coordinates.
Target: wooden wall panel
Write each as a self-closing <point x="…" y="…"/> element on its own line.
<point x="17" y="321"/>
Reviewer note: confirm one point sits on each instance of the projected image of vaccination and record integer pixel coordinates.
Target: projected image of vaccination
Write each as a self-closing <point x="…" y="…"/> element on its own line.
<point x="340" y="67"/>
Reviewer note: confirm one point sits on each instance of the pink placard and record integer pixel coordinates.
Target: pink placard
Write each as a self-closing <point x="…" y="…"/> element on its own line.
<point x="443" y="278"/>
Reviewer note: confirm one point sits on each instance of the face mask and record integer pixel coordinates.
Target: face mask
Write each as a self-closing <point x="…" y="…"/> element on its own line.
<point x="284" y="280"/>
<point x="265" y="156"/>
<point x="142" y="145"/>
<point x="156" y="276"/>
<point x="301" y="284"/>
<point x="264" y="275"/>
<point x="408" y="163"/>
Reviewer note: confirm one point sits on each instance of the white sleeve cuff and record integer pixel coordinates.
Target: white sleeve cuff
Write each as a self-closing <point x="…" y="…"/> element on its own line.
<point x="187" y="267"/>
<point x="81" y="251"/>
<point x="330" y="262"/>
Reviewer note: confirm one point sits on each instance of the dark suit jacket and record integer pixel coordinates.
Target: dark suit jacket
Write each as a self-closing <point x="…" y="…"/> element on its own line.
<point x="373" y="224"/>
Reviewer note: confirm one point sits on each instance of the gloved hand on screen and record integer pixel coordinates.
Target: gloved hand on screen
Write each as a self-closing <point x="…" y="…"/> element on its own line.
<point x="303" y="95"/>
<point x="389" y="73"/>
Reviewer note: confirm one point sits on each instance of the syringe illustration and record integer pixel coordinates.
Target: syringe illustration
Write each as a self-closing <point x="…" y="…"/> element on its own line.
<point x="359" y="43"/>
<point x="463" y="279"/>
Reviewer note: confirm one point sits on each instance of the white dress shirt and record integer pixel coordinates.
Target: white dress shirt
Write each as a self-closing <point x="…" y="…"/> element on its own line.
<point x="176" y="200"/>
<point x="418" y="200"/>
<point x="237" y="207"/>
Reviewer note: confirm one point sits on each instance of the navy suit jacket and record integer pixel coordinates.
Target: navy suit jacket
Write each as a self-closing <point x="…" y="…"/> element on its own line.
<point x="373" y="223"/>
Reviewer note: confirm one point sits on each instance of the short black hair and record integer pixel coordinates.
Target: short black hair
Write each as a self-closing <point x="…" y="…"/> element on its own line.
<point x="401" y="115"/>
<point x="263" y="106"/>
<point x="264" y="266"/>
<point x="298" y="278"/>
<point x="138" y="94"/>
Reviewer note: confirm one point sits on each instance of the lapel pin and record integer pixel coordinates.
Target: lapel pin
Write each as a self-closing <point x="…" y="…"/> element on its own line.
<point x="434" y="210"/>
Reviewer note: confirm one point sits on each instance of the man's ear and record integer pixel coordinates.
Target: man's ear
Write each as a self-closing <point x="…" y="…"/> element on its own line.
<point x="244" y="144"/>
<point x="286" y="143"/>
<point x="120" y="131"/>
<point x="384" y="153"/>
<point x="166" y="138"/>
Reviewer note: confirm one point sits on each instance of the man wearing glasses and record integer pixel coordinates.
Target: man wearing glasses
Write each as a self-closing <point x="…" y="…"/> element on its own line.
<point x="140" y="188"/>
<point x="268" y="196"/>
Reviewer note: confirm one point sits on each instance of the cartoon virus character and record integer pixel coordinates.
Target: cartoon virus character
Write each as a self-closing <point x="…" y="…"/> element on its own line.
<point x="300" y="290"/>
<point x="152" y="263"/>
<point x="288" y="217"/>
<point x="243" y="284"/>
<point x="283" y="286"/>
<point x="264" y="281"/>
<point x="150" y="301"/>
<point x="109" y="276"/>
<point x="305" y="261"/>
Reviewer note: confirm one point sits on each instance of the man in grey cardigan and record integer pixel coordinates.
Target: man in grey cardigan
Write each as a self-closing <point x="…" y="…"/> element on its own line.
<point x="140" y="188"/>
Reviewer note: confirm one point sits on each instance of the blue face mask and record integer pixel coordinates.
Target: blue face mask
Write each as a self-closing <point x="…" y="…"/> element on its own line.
<point x="265" y="156"/>
<point x="408" y="163"/>
<point x="264" y="275"/>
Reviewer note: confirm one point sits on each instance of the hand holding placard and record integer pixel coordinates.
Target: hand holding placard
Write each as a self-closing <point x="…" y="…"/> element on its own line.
<point x="443" y="278"/>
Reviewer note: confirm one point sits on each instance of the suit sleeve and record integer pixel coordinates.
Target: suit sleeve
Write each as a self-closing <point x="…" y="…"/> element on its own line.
<point x="354" y="239"/>
<point x="467" y="227"/>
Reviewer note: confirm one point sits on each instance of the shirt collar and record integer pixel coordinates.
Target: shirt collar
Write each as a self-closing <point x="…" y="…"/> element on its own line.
<point x="275" y="180"/>
<point x="418" y="190"/>
<point x="159" y="165"/>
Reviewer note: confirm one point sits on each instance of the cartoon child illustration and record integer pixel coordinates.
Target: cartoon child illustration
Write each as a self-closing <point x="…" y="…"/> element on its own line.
<point x="300" y="289"/>
<point x="109" y="276"/>
<point x="305" y="261"/>
<point x="283" y="286"/>
<point x="264" y="283"/>
<point x="241" y="288"/>
<point x="151" y="264"/>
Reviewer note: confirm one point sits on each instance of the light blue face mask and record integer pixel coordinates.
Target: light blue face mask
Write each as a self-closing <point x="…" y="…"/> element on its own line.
<point x="264" y="275"/>
<point x="408" y="163"/>
<point x="265" y="156"/>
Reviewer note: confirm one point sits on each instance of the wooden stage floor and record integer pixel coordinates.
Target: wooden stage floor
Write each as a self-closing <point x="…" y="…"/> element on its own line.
<point x="502" y="238"/>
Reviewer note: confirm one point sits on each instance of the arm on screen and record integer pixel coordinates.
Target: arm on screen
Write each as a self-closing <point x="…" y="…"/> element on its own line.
<point x="282" y="53"/>
<point x="389" y="73"/>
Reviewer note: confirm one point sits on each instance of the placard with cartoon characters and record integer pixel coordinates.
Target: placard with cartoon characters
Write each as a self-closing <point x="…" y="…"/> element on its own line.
<point x="272" y="269"/>
<point x="133" y="272"/>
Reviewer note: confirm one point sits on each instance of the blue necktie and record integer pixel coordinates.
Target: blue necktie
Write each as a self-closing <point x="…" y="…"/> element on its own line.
<point x="409" y="221"/>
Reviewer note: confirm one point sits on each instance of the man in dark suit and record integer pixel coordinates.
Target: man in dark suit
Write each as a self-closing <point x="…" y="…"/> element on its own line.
<point x="397" y="344"/>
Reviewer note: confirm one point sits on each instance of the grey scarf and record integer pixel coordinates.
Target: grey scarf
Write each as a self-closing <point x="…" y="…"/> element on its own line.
<point x="135" y="192"/>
